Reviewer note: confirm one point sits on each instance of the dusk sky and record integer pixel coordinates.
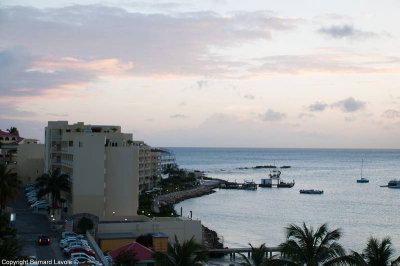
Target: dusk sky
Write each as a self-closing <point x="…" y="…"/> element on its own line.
<point x="214" y="73"/>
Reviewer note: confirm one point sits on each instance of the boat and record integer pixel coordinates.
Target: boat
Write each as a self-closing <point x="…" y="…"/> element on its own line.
<point x="275" y="175"/>
<point x="394" y="183"/>
<point x="249" y="185"/>
<point x="362" y="179"/>
<point x="311" y="191"/>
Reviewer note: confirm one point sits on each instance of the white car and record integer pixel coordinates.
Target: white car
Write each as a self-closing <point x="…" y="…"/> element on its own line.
<point x="76" y="245"/>
<point x="85" y="261"/>
<point x="72" y="238"/>
<point x="82" y="255"/>
<point x="40" y="202"/>
<point x="42" y="206"/>
<point x="67" y="234"/>
<point x="66" y="243"/>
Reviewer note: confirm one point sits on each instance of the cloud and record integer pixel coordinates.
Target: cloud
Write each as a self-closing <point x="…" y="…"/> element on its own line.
<point x="272" y="115"/>
<point x="11" y="110"/>
<point x="349" y="105"/>
<point x="343" y="31"/>
<point x="57" y="115"/>
<point x="305" y="115"/>
<point x="160" y="45"/>
<point x="21" y="75"/>
<point x="317" y="107"/>
<point x="178" y="116"/>
<point x="249" y="97"/>
<point x="392" y="114"/>
<point x="336" y="62"/>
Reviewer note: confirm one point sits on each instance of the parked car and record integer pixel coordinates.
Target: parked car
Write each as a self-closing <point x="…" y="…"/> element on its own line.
<point x="43" y="240"/>
<point x="80" y="261"/>
<point x="40" y="205"/>
<point x="68" y="233"/>
<point x="66" y="242"/>
<point x="80" y="249"/>
<point x="82" y="255"/>
<point x="40" y="202"/>
<point x="76" y="245"/>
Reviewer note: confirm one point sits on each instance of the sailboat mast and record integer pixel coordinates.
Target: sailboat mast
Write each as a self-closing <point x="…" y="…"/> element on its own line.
<point x="362" y="161"/>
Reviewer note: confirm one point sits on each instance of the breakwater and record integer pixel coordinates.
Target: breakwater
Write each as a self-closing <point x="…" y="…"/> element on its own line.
<point x="176" y="197"/>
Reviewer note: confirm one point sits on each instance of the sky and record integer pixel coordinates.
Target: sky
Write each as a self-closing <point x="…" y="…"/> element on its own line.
<point x="212" y="73"/>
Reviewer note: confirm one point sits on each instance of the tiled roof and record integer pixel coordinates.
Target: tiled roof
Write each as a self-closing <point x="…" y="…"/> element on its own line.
<point x="141" y="252"/>
<point x="7" y="134"/>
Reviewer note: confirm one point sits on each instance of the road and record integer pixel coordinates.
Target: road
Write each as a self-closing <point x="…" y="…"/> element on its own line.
<point x="29" y="226"/>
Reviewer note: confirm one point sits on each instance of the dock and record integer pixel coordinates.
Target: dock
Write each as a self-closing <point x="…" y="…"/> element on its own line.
<point x="233" y="251"/>
<point x="233" y="185"/>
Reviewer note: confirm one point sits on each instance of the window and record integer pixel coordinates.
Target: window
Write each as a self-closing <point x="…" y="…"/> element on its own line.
<point x="80" y="144"/>
<point x="70" y="143"/>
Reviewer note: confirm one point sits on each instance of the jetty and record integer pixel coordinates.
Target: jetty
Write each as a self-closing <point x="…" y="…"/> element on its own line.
<point x="233" y="251"/>
<point x="247" y="185"/>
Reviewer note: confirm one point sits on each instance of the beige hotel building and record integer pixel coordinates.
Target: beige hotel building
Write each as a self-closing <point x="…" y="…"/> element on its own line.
<point x="107" y="168"/>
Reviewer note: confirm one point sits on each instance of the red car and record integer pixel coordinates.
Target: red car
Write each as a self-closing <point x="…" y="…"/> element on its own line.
<point x="43" y="240"/>
<point x="81" y="249"/>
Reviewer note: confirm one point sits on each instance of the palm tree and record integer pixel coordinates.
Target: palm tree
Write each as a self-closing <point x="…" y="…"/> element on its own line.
<point x="189" y="253"/>
<point x="13" y="131"/>
<point x="9" y="247"/>
<point x="53" y="184"/>
<point x="375" y="253"/>
<point x="8" y="186"/>
<point x="259" y="257"/>
<point x="305" y="246"/>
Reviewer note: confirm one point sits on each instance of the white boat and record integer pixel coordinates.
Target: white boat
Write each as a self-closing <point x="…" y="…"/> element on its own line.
<point x="362" y="179"/>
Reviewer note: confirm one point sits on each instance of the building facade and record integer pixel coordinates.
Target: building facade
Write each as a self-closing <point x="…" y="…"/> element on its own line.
<point x="30" y="160"/>
<point x="105" y="165"/>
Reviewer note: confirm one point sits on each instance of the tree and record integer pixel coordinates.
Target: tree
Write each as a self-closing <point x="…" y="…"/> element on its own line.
<point x="85" y="224"/>
<point x="189" y="253"/>
<point x="8" y="186"/>
<point x="9" y="247"/>
<point x="53" y="184"/>
<point x="13" y="131"/>
<point x="259" y="257"/>
<point x="305" y="246"/>
<point x="375" y="253"/>
<point x="126" y="258"/>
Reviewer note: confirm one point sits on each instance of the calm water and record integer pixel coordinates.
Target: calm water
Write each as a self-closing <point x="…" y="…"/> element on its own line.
<point x="361" y="210"/>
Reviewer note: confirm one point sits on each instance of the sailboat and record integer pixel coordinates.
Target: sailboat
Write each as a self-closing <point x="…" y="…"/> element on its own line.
<point x="362" y="179"/>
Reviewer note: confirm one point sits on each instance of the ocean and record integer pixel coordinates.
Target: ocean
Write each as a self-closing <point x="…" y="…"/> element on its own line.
<point x="241" y="217"/>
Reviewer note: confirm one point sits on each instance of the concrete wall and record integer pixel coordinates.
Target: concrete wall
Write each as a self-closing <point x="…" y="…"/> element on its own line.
<point x="111" y="244"/>
<point x="88" y="175"/>
<point x="30" y="162"/>
<point x="183" y="228"/>
<point x="121" y="184"/>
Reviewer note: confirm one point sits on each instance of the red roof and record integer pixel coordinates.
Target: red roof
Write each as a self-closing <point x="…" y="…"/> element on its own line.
<point x="141" y="252"/>
<point x="7" y="134"/>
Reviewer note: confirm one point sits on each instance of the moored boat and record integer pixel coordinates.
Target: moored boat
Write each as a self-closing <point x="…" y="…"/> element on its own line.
<point x="275" y="175"/>
<point x="362" y="179"/>
<point x="394" y="183"/>
<point x="311" y="191"/>
<point x="249" y="185"/>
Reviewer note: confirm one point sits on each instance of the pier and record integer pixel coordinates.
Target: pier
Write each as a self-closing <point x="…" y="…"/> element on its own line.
<point x="232" y="251"/>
